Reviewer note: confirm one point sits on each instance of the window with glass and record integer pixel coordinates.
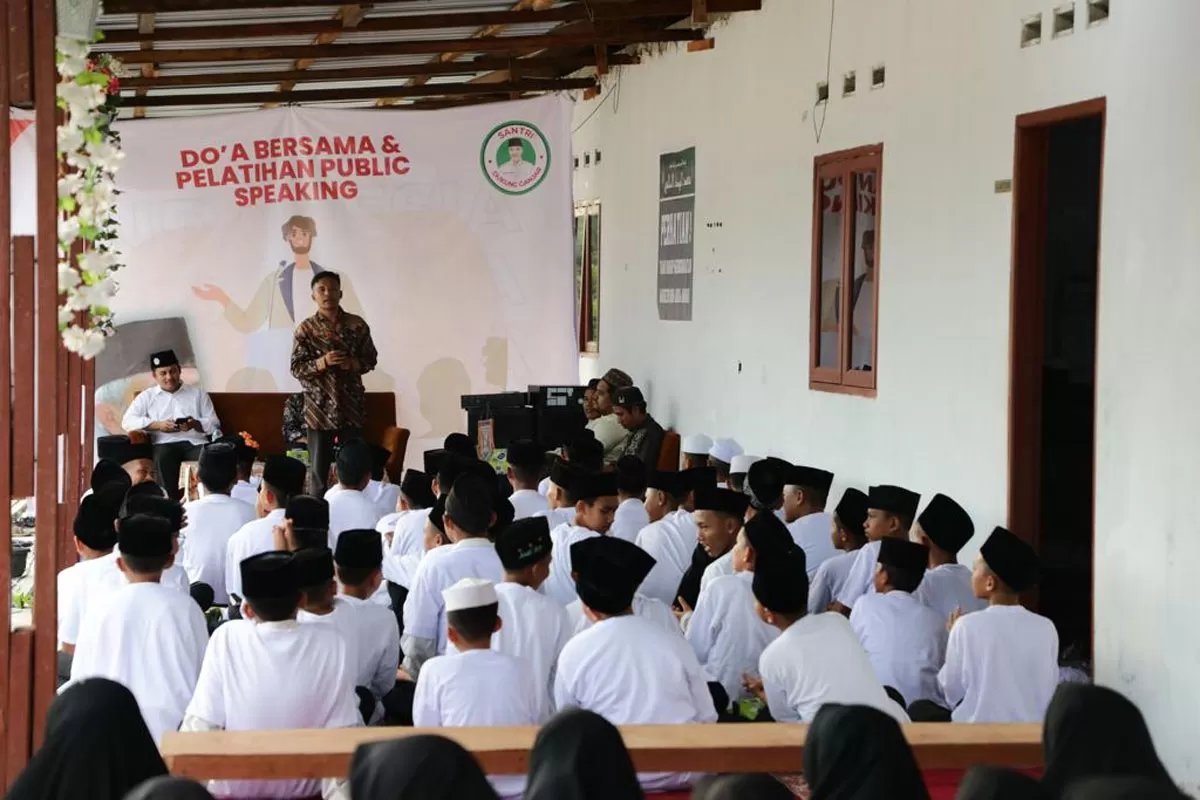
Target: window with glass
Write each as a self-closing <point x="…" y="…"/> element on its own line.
<point x="587" y="276"/>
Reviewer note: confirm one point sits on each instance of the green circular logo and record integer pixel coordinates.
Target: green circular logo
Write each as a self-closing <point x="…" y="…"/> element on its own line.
<point x="515" y="157"/>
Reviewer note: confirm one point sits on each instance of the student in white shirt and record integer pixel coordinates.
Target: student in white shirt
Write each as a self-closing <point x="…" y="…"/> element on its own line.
<point x="359" y="562"/>
<point x="95" y="537"/>
<point x="725" y="632"/>
<point x="594" y="497"/>
<point x="383" y="493"/>
<point x="525" y="458"/>
<point x="694" y="451"/>
<point x="560" y="509"/>
<point x="905" y="640"/>
<point x="816" y="659"/>
<point x="246" y="488"/>
<point x="283" y="478"/>
<point x="630" y="516"/>
<point x="267" y="672"/>
<point x="720" y="458"/>
<point x="406" y="534"/>
<point x="469" y="512"/>
<point x="891" y="511"/>
<point x="213" y="519"/>
<point x="738" y="469"/>
<point x="945" y="528"/>
<point x="535" y="627"/>
<point x="178" y="419"/>
<point x="849" y="536"/>
<point x="145" y="636"/>
<point x="349" y="507"/>
<point x="718" y="515"/>
<point x="668" y="543"/>
<point x="136" y="459"/>
<point x="624" y="667"/>
<point x="1001" y="662"/>
<point x="477" y="686"/>
<point x="804" y="499"/>
<point x="697" y="479"/>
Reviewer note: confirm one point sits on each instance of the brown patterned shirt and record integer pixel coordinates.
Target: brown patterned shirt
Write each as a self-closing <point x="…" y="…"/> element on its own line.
<point x="334" y="399"/>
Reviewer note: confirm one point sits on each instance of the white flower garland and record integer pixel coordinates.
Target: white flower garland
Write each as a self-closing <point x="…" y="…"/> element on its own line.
<point x="92" y="154"/>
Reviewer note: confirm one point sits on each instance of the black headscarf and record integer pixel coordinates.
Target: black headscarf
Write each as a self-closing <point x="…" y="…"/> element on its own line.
<point x="859" y="753"/>
<point x="97" y="747"/>
<point x="994" y="783"/>
<point x="1094" y="731"/>
<point x="1125" y="788"/>
<point x="417" y="768"/>
<point x="689" y="586"/>
<point x="168" y="788"/>
<point x="743" y="787"/>
<point x="579" y="755"/>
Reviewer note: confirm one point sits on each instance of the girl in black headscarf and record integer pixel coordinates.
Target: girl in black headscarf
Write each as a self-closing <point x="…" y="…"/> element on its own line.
<point x="579" y="755"/>
<point x="743" y="787"/>
<point x="1094" y="731"/>
<point x="994" y="783"/>
<point x="97" y="747"/>
<point x="859" y="753"/>
<point x="167" y="788"/>
<point x="417" y="768"/>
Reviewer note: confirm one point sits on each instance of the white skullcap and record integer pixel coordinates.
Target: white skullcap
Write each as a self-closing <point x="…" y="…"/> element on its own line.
<point x="697" y="444"/>
<point x="469" y="593"/>
<point x="741" y="464"/>
<point x="725" y="450"/>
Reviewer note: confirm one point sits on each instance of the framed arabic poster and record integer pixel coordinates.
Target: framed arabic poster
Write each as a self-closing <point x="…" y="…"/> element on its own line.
<point x="676" y="233"/>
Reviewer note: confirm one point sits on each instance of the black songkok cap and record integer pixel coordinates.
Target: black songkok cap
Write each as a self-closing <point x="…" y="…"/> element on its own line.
<point x="269" y="576"/>
<point x="765" y="481"/>
<point x="145" y="535"/>
<point x="359" y="548"/>
<point x="526" y="454"/>
<point x="285" y="473"/>
<point x="947" y="524"/>
<point x="818" y="480"/>
<point x="722" y="501"/>
<point x="903" y="554"/>
<point x="673" y="483"/>
<point x="524" y="543"/>
<point x="314" y="566"/>
<point x="1012" y="559"/>
<point x="163" y="358"/>
<point x="307" y="512"/>
<point x="852" y="511"/>
<point x="894" y="500"/>
<point x="608" y="572"/>
<point x="417" y="486"/>
<point x="769" y="537"/>
<point x="590" y="487"/>
<point x="781" y="585"/>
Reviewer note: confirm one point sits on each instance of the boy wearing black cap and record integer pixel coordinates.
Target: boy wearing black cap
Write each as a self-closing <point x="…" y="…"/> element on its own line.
<point x="145" y="636"/>
<point x="817" y="659"/>
<point x="283" y="479"/>
<point x="660" y="681"/>
<point x="467" y="518"/>
<point x="1001" y="662"/>
<point x="525" y="458"/>
<point x="267" y="672"/>
<point x="95" y="537"/>
<point x="560" y="506"/>
<point x="848" y="536"/>
<point x="359" y="563"/>
<point x="416" y="493"/>
<point x="595" y="501"/>
<point x="631" y="515"/>
<point x="213" y="519"/>
<point x="891" y="511"/>
<point x="349" y="505"/>
<point x="804" y="499"/>
<point x="905" y="640"/>
<point x="246" y="488"/>
<point x="764" y="485"/>
<point x="384" y="494"/>
<point x="136" y="459"/>
<point x="945" y="528"/>
<point x="670" y="545"/>
<point x="417" y="497"/>
<point x="535" y="627"/>
<point x="698" y="479"/>
<point x="719" y="514"/>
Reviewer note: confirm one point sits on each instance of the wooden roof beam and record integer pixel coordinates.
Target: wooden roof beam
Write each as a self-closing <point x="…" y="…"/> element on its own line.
<point x="145" y="26"/>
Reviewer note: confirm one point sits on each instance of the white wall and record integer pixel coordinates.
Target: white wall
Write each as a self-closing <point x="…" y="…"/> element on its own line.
<point x="956" y="79"/>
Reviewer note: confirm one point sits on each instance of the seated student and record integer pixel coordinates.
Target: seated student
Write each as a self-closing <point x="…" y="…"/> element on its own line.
<point x="213" y="519"/>
<point x="849" y="537"/>
<point x="669" y="545"/>
<point x="718" y="515"/>
<point x="95" y="537"/>
<point x="647" y="608"/>
<point x="720" y="456"/>
<point x="804" y="499"/>
<point x="697" y="478"/>
<point x="267" y="672"/>
<point x="945" y="528"/>
<point x="136" y="458"/>
<point x="416" y="494"/>
<point x="890" y="514"/>
<point x="724" y="631"/>
<point x="467" y="519"/>
<point x="738" y="469"/>
<point x="349" y="507"/>
<point x="764" y="484"/>
<point x="816" y="659"/>
<point x="594" y="497"/>
<point x="400" y="570"/>
<point x="525" y="458"/>
<point x="535" y="627"/>
<point x="246" y="488"/>
<point x="383" y="494"/>
<point x="477" y="686"/>
<point x="408" y="536"/>
<point x="560" y="509"/>
<point x="283" y="478"/>
<point x="1001" y="662"/>
<point x="694" y="451"/>
<point x="625" y="668"/>
<point x="630" y="516"/>
<point x="359" y="561"/>
<point x="905" y="640"/>
<point x="305" y="524"/>
<point x="147" y="637"/>
<point x="460" y="445"/>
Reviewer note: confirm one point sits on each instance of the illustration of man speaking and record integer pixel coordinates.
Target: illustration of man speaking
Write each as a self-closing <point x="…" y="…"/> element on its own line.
<point x="282" y="299"/>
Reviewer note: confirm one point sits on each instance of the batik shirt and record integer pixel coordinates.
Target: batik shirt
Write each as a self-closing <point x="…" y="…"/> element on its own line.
<point x="333" y="399"/>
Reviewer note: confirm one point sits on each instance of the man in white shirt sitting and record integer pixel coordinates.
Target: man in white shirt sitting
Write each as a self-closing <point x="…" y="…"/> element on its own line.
<point x="178" y="418"/>
<point x="631" y="515"/>
<point x="349" y="507"/>
<point x="669" y="544"/>
<point x="593" y="496"/>
<point x="891" y="511"/>
<point x="416" y="494"/>
<point x="804" y="499"/>
<point x="95" y="537"/>
<point x="849" y="536"/>
<point x="764" y="485"/>
<point x="525" y="459"/>
<point x="719" y="514"/>
<point x="945" y="528"/>
<point x="359" y="563"/>
<point x="213" y="519"/>
<point x="283" y="479"/>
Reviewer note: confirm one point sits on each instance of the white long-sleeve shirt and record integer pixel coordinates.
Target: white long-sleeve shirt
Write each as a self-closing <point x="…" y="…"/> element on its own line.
<point x="1001" y="666"/>
<point x="726" y="633"/>
<point x="251" y="539"/>
<point x="861" y="579"/>
<point x="204" y="541"/>
<point x="629" y="520"/>
<point x="948" y="587"/>
<point x="371" y="636"/>
<point x="408" y="535"/>
<point x="559" y="586"/>
<point x="647" y="608"/>
<point x="350" y="509"/>
<point x="671" y="545"/>
<point x="829" y="580"/>
<point x="527" y="502"/>
<point x="905" y="640"/>
<point x="156" y="405"/>
<point x="534" y="628"/>
<point x="101" y="577"/>
<point x="813" y="534"/>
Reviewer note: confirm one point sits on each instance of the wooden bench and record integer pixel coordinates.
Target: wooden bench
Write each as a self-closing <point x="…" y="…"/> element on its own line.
<point x="754" y="747"/>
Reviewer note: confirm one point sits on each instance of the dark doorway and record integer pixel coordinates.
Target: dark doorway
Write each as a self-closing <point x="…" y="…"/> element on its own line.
<point x="1057" y="195"/>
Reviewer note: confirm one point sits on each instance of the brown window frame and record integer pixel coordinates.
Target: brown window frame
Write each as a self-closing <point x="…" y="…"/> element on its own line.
<point x="583" y="306"/>
<point x="842" y="379"/>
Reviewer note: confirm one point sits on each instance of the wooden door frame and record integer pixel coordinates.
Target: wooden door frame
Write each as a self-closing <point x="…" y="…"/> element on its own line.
<point x="1027" y="313"/>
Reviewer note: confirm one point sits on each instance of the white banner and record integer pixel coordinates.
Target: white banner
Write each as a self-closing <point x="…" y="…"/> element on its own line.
<point x="23" y="180"/>
<point x="451" y="231"/>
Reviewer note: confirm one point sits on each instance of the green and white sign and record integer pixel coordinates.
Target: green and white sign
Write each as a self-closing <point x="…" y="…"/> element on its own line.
<point x="676" y="233"/>
<point x="515" y="157"/>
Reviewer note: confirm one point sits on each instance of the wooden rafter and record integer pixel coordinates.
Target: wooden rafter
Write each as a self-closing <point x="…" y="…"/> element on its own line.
<point x="145" y="26"/>
<point x="348" y="16"/>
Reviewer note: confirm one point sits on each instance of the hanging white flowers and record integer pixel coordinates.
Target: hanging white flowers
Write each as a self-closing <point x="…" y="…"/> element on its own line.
<point x="91" y="153"/>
